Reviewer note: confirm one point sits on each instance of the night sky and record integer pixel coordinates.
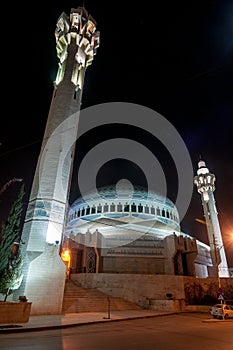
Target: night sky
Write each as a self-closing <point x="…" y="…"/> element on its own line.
<point x="173" y="57"/>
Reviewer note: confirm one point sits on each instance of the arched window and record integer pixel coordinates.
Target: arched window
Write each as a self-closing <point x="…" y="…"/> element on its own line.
<point x="140" y="208"/>
<point x="133" y="208"/>
<point x="112" y="207"/>
<point x="119" y="207"/>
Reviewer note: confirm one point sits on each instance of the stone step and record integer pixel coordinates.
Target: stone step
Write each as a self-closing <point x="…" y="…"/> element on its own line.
<point x="78" y="299"/>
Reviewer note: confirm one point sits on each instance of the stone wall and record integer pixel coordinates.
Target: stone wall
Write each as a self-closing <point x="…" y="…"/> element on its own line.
<point x="139" y="289"/>
<point x="149" y="290"/>
<point x="203" y="291"/>
<point x="131" y="265"/>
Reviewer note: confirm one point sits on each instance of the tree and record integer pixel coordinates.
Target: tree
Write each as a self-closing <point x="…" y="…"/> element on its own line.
<point x="10" y="253"/>
<point x="5" y="187"/>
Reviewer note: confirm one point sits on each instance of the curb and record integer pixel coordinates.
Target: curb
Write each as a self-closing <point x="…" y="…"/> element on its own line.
<point x="18" y="329"/>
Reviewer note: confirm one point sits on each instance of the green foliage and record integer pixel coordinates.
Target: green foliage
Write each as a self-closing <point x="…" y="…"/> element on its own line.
<point x="12" y="276"/>
<point x="11" y="262"/>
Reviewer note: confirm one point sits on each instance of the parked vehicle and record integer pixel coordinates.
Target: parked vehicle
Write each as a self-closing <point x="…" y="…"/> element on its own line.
<point x="222" y="311"/>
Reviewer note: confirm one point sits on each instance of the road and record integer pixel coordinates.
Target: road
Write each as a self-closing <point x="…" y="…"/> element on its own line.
<point x="172" y="332"/>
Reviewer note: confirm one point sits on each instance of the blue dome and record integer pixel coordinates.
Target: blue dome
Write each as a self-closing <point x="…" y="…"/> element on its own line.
<point x="123" y="202"/>
<point x="113" y="192"/>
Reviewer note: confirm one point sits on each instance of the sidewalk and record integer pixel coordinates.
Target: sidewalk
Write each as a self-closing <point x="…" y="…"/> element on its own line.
<point x="45" y="322"/>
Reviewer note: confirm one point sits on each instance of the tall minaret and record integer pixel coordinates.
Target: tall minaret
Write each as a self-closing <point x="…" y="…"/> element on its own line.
<point x="43" y="284"/>
<point x="205" y="186"/>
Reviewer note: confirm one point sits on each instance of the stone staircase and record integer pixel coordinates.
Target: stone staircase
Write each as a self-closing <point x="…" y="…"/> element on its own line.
<point x="78" y="299"/>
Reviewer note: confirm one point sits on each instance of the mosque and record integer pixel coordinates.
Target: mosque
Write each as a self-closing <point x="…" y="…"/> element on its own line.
<point x="125" y="232"/>
<point x="131" y="231"/>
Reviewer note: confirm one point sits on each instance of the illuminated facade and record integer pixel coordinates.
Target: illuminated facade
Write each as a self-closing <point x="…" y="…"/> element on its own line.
<point x="120" y="231"/>
<point x="205" y="182"/>
<point x="76" y="44"/>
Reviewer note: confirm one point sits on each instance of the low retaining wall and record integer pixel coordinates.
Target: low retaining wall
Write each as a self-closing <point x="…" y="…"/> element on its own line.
<point x="197" y="308"/>
<point x="143" y="290"/>
<point x="167" y="305"/>
<point x="154" y="291"/>
<point x="204" y="290"/>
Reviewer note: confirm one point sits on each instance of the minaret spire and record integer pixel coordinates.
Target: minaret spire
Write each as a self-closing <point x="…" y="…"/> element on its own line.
<point x="205" y="182"/>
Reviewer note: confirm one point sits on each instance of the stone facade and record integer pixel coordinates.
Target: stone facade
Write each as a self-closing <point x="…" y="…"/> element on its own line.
<point x="162" y="292"/>
<point x="147" y="255"/>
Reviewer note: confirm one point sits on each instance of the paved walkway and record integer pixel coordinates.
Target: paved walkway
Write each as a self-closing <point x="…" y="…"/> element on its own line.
<point x="68" y="320"/>
<point x="44" y="322"/>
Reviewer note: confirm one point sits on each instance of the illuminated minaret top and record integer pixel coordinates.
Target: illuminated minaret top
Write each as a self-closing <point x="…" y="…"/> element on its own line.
<point x="78" y="29"/>
<point x="205" y="182"/>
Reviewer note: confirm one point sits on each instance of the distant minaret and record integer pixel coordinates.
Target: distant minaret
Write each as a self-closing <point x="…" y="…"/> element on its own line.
<point x="43" y="284"/>
<point x="205" y="186"/>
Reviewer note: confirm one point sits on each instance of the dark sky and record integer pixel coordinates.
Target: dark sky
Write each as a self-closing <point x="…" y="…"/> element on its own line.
<point x="174" y="57"/>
